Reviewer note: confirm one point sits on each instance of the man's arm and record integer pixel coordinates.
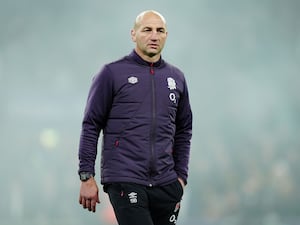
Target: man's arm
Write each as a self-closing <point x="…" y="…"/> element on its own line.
<point x="96" y="112"/>
<point x="183" y="136"/>
<point x="95" y="115"/>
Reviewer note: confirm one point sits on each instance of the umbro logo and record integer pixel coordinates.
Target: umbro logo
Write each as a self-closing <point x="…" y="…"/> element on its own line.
<point x="132" y="197"/>
<point x="132" y="80"/>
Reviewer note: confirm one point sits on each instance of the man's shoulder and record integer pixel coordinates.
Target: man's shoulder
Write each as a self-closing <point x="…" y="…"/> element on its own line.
<point x="174" y="69"/>
<point x="120" y="61"/>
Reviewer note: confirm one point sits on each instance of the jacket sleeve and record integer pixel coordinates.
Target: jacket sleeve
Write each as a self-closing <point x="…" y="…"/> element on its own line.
<point x="183" y="135"/>
<point x="94" y="120"/>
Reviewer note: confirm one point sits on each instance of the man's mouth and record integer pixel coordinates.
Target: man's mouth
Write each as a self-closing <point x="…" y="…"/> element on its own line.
<point x="153" y="46"/>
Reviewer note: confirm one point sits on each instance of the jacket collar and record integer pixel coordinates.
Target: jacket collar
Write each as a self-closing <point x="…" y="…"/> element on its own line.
<point x="141" y="61"/>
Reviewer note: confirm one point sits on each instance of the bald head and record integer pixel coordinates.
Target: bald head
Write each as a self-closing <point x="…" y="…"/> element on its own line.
<point x="149" y="33"/>
<point x="146" y="13"/>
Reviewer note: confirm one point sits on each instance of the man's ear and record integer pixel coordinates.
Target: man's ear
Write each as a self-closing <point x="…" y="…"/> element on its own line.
<point x="133" y="33"/>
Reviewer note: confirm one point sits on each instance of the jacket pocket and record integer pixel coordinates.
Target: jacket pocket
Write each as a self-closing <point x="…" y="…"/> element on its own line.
<point x="110" y="156"/>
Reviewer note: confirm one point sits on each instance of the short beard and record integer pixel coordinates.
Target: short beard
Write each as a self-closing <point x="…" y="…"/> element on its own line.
<point x="151" y="54"/>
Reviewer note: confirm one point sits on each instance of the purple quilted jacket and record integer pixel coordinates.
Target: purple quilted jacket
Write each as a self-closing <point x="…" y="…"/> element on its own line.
<point x="144" y="112"/>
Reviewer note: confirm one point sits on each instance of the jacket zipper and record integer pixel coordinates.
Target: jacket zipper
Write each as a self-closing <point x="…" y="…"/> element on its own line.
<point x="153" y="125"/>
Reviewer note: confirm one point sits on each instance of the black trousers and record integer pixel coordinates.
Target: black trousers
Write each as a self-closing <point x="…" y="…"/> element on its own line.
<point x="135" y="204"/>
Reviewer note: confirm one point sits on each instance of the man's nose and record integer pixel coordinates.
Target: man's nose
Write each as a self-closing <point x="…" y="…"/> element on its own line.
<point x="154" y="35"/>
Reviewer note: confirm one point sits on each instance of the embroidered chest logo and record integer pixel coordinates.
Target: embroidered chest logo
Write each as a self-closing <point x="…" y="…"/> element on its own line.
<point x="172" y="86"/>
<point x="171" y="83"/>
<point x="132" y="197"/>
<point x="132" y="80"/>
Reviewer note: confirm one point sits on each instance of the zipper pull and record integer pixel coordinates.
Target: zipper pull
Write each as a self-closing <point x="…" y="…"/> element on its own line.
<point x="151" y="69"/>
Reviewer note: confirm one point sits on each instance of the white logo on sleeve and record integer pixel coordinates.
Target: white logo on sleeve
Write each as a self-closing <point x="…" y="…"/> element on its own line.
<point x="171" y="83"/>
<point x="132" y="197"/>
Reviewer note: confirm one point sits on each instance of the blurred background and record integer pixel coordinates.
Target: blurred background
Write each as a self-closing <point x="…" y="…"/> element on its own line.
<point x="242" y="63"/>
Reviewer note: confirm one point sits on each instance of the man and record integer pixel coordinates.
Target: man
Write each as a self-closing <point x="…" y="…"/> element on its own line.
<point x="141" y="104"/>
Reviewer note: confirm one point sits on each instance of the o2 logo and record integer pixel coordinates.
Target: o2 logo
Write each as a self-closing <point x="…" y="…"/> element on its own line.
<point x="172" y="97"/>
<point x="173" y="219"/>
